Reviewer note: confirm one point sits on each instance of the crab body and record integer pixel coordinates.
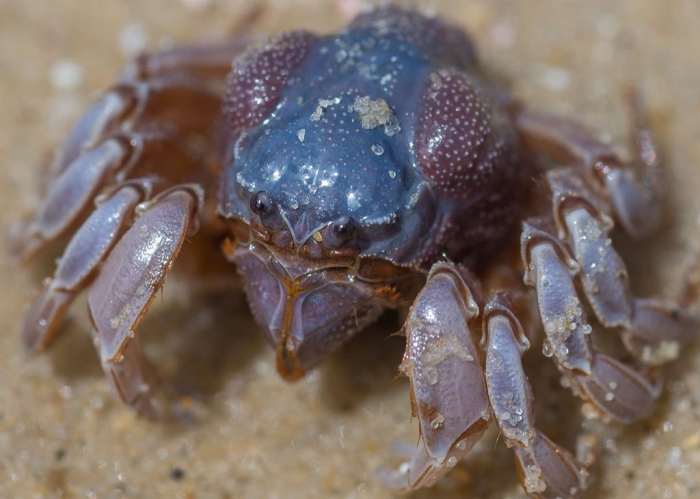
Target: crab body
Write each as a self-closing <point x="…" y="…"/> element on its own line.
<point x="338" y="173"/>
<point x="355" y="132"/>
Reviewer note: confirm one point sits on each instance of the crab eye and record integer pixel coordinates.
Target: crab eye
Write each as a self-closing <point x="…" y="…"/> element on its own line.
<point x="344" y="227"/>
<point x="262" y="204"/>
<point x="339" y="232"/>
<point x="265" y="207"/>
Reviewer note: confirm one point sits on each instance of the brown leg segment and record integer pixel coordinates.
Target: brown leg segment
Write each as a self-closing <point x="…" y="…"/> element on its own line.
<point x="153" y="133"/>
<point x="632" y="188"/>
<point x="174" y="92"/>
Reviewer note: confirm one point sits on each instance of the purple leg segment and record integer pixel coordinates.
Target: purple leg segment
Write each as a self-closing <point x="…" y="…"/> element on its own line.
<point x="70" y="198"/>
<point x="545" y="469"/>
<point x="88" y="247"/>
<point x="659" y="330"/>
<point x="447" y="382"/>
<point x="454" y="396"/>
<point x="567" y="331"/>
<point x="128" y="281"/>
<point x="508" y="388"/>
<point x="633" y="188"/>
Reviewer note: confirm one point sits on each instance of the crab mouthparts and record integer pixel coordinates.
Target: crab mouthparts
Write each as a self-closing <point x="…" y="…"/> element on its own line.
<point x="305" y="316"/>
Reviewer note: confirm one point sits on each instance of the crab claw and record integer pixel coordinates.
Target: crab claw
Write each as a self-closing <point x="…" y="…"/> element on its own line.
<point x="448" y="389"/>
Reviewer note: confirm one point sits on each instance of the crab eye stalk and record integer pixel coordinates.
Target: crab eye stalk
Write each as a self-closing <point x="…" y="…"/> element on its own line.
<point x="262" y="204"/>
<point x="265" y="207"/>
<point x="340" y="231"/>
<point x="344" y="228"/>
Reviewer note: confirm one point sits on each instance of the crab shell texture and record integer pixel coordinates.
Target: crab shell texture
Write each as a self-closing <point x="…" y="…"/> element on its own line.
<point x="350" y="173"/>
<point x="355" y="158"/>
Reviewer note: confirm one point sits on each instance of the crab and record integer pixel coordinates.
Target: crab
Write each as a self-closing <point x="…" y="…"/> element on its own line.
<point x="346" y="174"/>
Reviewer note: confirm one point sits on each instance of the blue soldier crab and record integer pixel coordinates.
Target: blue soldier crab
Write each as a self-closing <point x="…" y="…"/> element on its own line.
<point x="346" y="174"/>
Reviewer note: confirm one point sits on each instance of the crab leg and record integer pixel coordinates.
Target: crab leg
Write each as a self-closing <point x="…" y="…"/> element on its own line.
<point x="448" y="391"/>
<point x="635" y="191"/>
<point x="658" y="331"/>
<point x="504" y="342"/>
<point x="201" y="62"/>
<point x="653" y="329"/>
<point x="157" y="123"/>
<point x="193" y="74"/>
<point x="157" y="89"/>
<point x="86" y="250"/>
<point x="137" y="105"/>
<point x="633" y="187"/>
<point x="546" y="470"/>
<point x="617" y="391"/>
<point x="128" y="281"/>
<point x="70" y="199"/>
